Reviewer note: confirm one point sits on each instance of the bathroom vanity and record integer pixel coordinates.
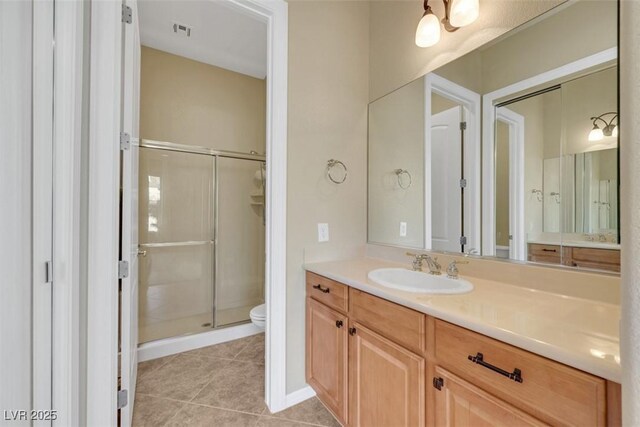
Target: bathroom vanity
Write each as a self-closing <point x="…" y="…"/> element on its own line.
<point x="382" y="357"/>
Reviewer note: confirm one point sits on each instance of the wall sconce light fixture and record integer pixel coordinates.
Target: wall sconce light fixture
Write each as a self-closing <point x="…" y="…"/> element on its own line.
<point x="610" y="128"/>
<point x="457" y="13"/>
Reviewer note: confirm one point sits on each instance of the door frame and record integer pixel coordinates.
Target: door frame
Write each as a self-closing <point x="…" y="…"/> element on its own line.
<point x="275" y="14"/>
<point x="471" y="103"/>
<point x="67" y="211"/>
<point x="488" y="132"/>
<point x="42" y="201"/>
<point x="518" y="240"/>
<point x="103" y="223"/>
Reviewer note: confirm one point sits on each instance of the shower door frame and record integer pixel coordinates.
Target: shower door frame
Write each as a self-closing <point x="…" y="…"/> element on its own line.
<point x="215" y="154"/>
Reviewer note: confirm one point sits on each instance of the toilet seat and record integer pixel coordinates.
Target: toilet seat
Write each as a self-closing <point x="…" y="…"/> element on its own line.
<point x="258" y="312"/>
<point x="258" y="315"/>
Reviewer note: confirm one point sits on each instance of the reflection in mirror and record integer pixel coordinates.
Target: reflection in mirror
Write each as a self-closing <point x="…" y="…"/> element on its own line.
<point x="396" y="167"/>
<point x="528" y="133"/>
<point x="569" y="196"/>
<point x="543" y="153"/>
<point x="596" y="193"/>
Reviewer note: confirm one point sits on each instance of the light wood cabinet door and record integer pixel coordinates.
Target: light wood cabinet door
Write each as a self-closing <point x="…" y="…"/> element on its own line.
<point x="386" y="382"/>
<point x="458" y="404"/>
<point x="326" y="356"/>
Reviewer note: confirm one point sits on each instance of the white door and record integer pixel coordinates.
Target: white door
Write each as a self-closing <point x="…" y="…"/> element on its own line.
<point x="446" y="172"/>
<point x="129" y="236"/>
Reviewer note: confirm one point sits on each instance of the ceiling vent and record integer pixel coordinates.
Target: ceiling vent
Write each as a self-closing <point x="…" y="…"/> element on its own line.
<point x="181" y="29"/>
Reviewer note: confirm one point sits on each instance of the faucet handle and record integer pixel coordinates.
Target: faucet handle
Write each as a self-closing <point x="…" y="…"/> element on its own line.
<point x="452" y="269"/>
<point x="417" y="261"/>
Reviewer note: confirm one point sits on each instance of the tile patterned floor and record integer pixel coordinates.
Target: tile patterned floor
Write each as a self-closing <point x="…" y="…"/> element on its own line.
<point x="221" y="385"/>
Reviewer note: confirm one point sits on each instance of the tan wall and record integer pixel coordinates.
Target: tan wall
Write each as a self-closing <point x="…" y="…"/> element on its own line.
<point x="328" y="96"/>
<point x="396" y="60"/>
<point x="193" y="103"/>
<point x="580" y="30"/>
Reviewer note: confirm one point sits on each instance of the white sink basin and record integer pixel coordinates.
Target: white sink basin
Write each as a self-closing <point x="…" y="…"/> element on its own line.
<point x="418" y="282"/>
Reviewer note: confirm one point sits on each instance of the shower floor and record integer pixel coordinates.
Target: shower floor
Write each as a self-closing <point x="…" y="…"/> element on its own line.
<point x="152" y="329"/>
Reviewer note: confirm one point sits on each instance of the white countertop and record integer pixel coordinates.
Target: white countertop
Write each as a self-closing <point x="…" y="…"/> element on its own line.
<point x="578" y="332"/>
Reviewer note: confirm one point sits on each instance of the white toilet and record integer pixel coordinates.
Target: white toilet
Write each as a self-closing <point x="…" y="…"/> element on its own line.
<point x="258" y="315"/>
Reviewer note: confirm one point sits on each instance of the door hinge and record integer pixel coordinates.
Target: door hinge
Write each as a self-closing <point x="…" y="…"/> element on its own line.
<point x="463" y="240"/>
<point x="123" y="269"/>
<point x="123" y="398"/>
<point x="438" y="383"/>
<point x="125" y="141"/>
<point x="48" y="272"/>
<point x="127" y="14"/>
<point x="463" y="125"/>
<point x="463" y="183"/>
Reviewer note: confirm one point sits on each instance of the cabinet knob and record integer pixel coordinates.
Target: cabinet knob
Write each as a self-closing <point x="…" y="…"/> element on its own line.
<point x="352" y="331"/>
<point x="339" y="323"/>
<point x="438" y="383"/>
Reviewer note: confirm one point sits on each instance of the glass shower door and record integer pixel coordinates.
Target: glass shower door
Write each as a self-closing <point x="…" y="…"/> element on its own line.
<point x="176" y="237"/>
<point x="240" y="262"/>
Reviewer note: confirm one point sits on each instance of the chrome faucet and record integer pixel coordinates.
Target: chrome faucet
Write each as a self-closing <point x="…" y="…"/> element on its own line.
<point x="452" y="270"/>
<point x="432" y="263"/>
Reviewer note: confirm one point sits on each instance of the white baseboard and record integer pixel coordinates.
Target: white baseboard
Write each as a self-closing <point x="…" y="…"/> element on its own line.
<point x="298" y="396"/>
<point x="169" y="346"/>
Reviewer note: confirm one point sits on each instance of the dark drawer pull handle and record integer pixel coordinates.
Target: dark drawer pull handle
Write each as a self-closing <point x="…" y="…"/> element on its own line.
<point x="516" y="375"/>
<point x="321" y="289"/>
<point x="352" y="331"/>
<point x="549" y="250"/>
<point x="339" y="323"/>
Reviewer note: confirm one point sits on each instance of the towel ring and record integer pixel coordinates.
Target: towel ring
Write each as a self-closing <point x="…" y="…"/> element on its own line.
<point x="399" y="173"/>
<point x="330" y="165"/>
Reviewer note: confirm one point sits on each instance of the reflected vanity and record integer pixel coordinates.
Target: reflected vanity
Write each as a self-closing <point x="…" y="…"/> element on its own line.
<point x="503" y="153"/>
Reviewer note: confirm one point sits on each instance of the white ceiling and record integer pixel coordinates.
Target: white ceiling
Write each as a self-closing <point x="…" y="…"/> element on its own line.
<point x="221" y="35"/>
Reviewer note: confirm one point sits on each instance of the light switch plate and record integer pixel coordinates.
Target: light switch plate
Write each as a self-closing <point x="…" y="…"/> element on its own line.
<point x="323" y="232"/>
<point x="403" y="229"/>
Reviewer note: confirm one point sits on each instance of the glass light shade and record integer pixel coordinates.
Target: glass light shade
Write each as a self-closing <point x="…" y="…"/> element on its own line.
<point x="463" y="12"/>
<point x="596" y="134"/>
<point x="614" y="133"/>
<point x="428" y="31"/>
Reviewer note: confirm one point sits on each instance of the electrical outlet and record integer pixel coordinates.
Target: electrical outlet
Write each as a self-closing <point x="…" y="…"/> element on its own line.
<point x="323" y="232"/>
<point x="403" y="229"/>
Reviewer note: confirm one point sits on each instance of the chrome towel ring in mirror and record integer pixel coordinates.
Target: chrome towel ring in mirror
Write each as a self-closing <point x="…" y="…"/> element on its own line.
<point x="330" y="165"/>
<point x="399" y="173"/>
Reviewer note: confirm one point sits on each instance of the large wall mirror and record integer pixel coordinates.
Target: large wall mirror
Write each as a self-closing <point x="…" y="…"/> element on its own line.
<point x="510" y="151"/>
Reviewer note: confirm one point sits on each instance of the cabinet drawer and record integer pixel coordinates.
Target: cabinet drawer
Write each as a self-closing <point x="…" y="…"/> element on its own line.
<point x="328" y="292"/>
<point x="546" y="252"/>
<point x="549" y="391"/>
<point x="603" y="259"/>
<point x="400" y="324"/>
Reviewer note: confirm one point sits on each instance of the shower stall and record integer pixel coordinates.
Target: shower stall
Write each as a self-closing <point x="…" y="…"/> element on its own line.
<point x="202" y="238"/>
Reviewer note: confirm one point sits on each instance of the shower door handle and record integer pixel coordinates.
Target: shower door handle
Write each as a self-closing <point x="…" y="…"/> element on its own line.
<point x="141" y="252"/>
